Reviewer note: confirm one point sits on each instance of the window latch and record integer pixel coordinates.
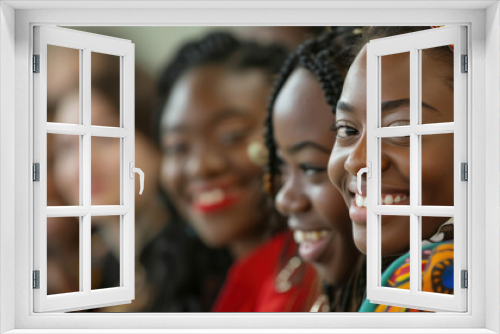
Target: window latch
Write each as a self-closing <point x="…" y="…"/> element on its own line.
<point x="368" y="171"/>
<point x="133" y="170"/>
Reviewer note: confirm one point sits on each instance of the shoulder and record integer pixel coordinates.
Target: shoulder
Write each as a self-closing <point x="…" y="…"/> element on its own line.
<point x="437" y="274"/>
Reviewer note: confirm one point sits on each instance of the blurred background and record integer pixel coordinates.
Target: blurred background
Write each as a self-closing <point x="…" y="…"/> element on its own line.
<point x="154" y="48"/>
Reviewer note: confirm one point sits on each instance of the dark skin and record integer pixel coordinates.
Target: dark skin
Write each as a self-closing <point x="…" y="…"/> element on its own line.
<point x="307" y="197"/>
<point x="349" y="153"/>
<point x="212" y="115"/>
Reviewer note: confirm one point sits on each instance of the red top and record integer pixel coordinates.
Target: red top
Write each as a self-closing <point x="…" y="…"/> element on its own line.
<point x="250" y="283"/>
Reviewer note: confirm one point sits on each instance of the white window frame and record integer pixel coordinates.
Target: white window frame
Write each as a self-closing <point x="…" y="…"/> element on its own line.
<point x="16" y="21"/>
<point x="413" y="44"/>
<point x="85" y="43"/>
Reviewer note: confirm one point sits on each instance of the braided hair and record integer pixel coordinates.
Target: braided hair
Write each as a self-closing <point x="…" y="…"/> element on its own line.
<point x="219" y="48"/>
<point x="327" y="57"/>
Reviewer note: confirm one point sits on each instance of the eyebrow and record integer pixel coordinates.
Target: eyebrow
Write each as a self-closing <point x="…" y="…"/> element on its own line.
<point x="220" y="116"/>
<point x="386" y="106"/>
<point x="305" y="144"/>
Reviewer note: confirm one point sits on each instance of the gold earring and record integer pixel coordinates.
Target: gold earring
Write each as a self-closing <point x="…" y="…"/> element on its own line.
<point x="257" y="153"/>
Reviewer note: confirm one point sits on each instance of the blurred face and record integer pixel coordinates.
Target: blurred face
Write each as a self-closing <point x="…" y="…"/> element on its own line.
<point x="105" y="156"/>
<point x="315" y="209"/>
<point x="349" y="153"/>
<point x="211" y="117"/>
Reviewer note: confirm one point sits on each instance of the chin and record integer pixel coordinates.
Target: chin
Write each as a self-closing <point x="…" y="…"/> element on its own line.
<point x="360" y="240"/>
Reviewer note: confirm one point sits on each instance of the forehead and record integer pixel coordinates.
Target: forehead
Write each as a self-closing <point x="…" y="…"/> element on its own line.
<point x="204" y="92"/>
<point x="301" y="104"/>
<point x="354" y="90"/>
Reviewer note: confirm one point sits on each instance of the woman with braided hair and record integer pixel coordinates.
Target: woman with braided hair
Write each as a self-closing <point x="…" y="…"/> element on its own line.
<point x="214" y="95"/>
<point x="349" y="155"/>
<point x="299" y="143"/>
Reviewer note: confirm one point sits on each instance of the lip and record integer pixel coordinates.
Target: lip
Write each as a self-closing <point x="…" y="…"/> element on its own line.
<point x="311" y="251"/>
<point x="226" y="195"/>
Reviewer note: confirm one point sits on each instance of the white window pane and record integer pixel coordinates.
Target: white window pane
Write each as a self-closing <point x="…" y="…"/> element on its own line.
<point x="63" y="170"/>
<point x="105" y="171"/>
<point x="63" y="79"/>
<point x="395" y="242"/>
<point x="395" y="171"/>
<point x="105" y="252"/>
<point x="437" y="274"/>
<point x="437" y="172"/>
<point x="395" y="90"/>
<point x="106" y="101"/>
<point x="437" y="85"/>
<point x="63" y="255"/>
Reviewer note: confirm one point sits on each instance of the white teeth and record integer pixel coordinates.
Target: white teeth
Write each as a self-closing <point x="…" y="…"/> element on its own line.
<point x="211" y="197"/>
<point x="359" y="200"/>
<point x="388" y="200"/>
<point x="397" y="199"/>
<point x="301" y="236"/>
<point x="298" y="236"/>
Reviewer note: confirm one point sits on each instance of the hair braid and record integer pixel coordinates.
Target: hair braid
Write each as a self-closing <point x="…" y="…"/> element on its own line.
<point x="325" y="57"/>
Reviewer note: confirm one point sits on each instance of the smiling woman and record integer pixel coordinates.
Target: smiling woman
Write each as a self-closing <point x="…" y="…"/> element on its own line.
<point x="300" y="145"/>
<point x="349" y="156"/>
<point x="214" y="97"/>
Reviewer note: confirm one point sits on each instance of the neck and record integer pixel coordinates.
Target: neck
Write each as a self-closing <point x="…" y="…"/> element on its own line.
<point x="245" y="245"/>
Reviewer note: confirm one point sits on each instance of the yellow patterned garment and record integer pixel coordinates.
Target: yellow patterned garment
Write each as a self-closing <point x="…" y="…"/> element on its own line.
<point x="437" y="275"/>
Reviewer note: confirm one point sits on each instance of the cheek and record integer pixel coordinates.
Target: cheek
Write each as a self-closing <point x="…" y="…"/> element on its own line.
<point x="336" y="170"/>
<point x="331" y="207"/>
<point x="170" y="176"/>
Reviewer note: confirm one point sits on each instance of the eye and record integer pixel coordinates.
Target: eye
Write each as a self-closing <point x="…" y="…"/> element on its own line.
<point x="400" y="123"/>
<point x="312" y="170"/>
<point x="233" y="137"/>
<point x="344" y="130"/>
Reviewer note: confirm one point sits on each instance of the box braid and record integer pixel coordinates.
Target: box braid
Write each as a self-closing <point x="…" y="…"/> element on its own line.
<point x="328" y="58"/>
<point x="217" y="48"/>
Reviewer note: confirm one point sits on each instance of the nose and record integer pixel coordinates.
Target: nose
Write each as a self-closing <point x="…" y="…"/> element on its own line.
<point x="291" y="199"/>
<point x="357" y="157"/>
<point x="205" y="162"/>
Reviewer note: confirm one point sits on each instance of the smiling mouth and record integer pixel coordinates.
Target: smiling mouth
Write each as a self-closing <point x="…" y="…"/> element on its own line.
<point x="214" y="199"/>
<point x="357" y="209"/>
<point x="312" y="244"/>
<point x="387" y="199"/>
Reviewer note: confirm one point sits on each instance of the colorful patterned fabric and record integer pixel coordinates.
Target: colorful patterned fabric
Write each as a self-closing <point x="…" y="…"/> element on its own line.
<point x="437" y="275"/>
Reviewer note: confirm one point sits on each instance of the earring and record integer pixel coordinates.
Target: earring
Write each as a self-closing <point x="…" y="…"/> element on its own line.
<point x="257" y="153"/>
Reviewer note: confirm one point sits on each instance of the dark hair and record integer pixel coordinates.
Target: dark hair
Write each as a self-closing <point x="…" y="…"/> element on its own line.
<point x="442" y="53"/>
<point x="220" y="48"/>
<point x="328" y="57"/>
